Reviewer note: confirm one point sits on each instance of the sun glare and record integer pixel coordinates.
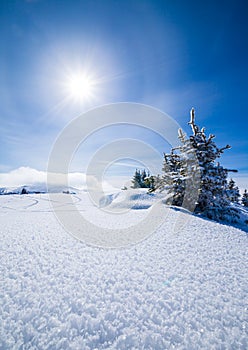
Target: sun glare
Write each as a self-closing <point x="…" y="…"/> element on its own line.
<point x="80" y="87"/>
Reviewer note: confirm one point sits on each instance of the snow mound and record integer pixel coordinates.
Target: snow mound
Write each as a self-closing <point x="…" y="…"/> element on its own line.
<point x="131" y="199"/>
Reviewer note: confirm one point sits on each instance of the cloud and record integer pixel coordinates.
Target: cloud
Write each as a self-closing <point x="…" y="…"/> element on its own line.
<point x="29" y="176"/>
<point x="32" y="177"/>
<point x="22" y="176"/>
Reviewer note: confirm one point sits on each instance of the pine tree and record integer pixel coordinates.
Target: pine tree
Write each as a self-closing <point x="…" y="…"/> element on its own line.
<point x="191" y="171"/>
<point x="213" y="199"/>
<point x="233" y="192"/>
<point x="244" y="199"/>
<point x="24" y="191"/>
<point x="143" y="177"/>
<point x="144" y="180"/>
<point x="136" y="179"/>
<point x="172" y="179"/>
<point x="151" y="183"/>
<point x="156" y="181"/>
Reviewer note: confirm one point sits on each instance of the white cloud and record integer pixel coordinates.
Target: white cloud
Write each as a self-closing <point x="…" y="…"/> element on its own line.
<point x="22" y="176"/>
<point x="32" y="177"/>
<point x="29" y="176"/>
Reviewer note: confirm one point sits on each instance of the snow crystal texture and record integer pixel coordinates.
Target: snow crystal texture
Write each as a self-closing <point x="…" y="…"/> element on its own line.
<point x="175" y="290"/>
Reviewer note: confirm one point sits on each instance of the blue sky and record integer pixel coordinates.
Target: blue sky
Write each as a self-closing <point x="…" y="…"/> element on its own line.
<point x="168" y="54"/>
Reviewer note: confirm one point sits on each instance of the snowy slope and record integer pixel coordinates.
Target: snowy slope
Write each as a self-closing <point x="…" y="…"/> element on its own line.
<point x="175" y="290"/>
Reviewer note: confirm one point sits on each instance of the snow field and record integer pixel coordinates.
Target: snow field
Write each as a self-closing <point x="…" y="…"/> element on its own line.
<point x="175" y="290"/>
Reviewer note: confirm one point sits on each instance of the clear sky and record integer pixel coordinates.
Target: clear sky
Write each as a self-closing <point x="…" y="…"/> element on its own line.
<point x="170" y="54"/>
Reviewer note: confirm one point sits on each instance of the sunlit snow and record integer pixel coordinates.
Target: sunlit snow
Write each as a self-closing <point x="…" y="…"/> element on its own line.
<point x="175" y="290"/>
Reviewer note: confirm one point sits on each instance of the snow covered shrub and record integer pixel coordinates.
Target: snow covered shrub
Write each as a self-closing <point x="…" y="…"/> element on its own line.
<point x="233" y="192"/>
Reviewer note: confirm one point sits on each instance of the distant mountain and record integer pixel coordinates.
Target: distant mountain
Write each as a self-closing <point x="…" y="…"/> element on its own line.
<point x="36" y="188"/>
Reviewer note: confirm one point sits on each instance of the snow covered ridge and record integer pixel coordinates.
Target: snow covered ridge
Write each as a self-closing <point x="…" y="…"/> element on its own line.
<point x="184" y="290"/>
<point x="36" y="189"/>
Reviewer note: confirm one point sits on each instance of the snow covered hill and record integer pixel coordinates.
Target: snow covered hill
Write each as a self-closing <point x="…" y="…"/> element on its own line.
<point x="182" y="289"/>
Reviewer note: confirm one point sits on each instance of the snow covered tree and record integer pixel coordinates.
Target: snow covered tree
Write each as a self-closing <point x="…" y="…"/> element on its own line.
<point x="24" y="191"/>
<point x="194" y="179"/>
<point x="136" y="179"/>
<point x="143" y="176"/>
<point x="233" y="192"/>
<point x="141" y="179"/>
<point x="156" y="181"/>
<point x="149" y="182"/>
<point x="213" y="200"/>
<point x="172" y="179"/>
<point x="244" y="199"/>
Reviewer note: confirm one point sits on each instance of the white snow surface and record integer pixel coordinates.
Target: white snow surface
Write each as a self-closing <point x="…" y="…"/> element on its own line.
<point x="175" y="290"/>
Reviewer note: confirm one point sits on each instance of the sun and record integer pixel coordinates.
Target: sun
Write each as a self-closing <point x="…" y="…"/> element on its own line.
<point x="80" y="87"/>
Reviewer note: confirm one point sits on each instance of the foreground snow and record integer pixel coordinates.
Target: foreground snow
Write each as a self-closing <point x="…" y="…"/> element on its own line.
<point x="175" y="290"/>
